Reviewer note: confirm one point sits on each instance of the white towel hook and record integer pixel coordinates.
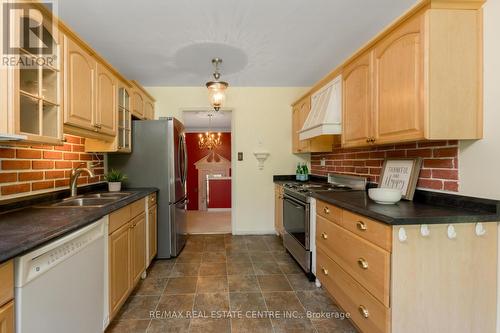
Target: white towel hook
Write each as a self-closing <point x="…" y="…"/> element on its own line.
<point x="424" y="230"/>
<point x="480" y="230"/>
<point x="452" y="234"/>
<point x="402" y="235"/>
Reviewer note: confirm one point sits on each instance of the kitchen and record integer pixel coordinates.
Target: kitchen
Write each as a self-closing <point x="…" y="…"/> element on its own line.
<point x="60" y="117"/>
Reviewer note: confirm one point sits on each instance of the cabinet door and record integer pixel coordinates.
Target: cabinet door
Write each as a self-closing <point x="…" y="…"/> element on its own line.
<point x="278" y="210"/>
<point x="79" y="86"/>
<point x="119" y="267"/>
<point x="138" y="103"/>
<point x="149" y="110"/>
<point x="7" y="318"/>
<point x="357" y="110"/>
<point x="153" y="225"/>
<point x="305" y="108"/>
<point x="106" y="101"/>
<point x="138" y="235"/>
<point x="295" y="128"/>
<point x="398" y="85"/>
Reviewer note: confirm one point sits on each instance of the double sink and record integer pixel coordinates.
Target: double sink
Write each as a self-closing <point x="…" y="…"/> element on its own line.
<point x="89" y="200"/>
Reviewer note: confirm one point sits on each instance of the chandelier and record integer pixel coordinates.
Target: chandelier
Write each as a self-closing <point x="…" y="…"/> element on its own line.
<point x="217" y="89"/>
<point x="209" y="140"/>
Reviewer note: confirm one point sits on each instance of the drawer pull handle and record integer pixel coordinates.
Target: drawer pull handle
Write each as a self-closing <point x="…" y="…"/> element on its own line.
<point x="363" y="311"/>
<point x="324" y="235"/>
<point x="363" y="263"/>
<point x="326" y="210"/>
<point x="324" y="270"/>
<point x="361" y="225"/>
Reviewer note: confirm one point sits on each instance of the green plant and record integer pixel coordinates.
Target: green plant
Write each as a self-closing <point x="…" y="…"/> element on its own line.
<point x="115" y="176"/>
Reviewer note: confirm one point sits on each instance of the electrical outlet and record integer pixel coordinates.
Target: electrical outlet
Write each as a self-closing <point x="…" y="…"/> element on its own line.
<point x="322" y="162"/>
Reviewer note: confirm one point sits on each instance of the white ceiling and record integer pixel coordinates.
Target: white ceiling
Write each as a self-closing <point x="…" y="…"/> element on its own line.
<point x="262" y="42"/>
<point x="197" y="121"/>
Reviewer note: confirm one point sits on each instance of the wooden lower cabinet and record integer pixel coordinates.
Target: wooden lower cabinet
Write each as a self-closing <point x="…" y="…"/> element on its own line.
<point x="119" y="268"/>
<point x="278" y="209"/>
<point x="7" y="318"/>
<point x="152" y="231"/>
<point x="138" y="238"/>
<point x="127" y="252"/>
<point x="7" y="297"/>
<point x="420" y="284"/>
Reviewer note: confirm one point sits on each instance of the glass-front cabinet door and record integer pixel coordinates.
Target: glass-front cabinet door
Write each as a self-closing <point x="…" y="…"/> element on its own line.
<point x="124" y="121"/>
<point x="37" y="81"/>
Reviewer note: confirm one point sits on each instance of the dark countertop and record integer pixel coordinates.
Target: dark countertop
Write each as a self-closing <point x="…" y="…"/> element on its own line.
<point x="25" y="229"/>
<point x="427" y="207"/>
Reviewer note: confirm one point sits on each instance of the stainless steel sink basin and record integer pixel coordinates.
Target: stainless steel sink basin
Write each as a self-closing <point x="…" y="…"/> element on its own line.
<point x="107" y="195"/>
<point x="84" y="202"/>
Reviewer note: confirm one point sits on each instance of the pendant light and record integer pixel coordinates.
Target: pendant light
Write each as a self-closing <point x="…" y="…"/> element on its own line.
<point x="216" y="88"/>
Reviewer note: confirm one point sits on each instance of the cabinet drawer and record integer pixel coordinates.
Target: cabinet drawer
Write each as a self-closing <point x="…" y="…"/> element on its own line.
<point x="367" y="263"/>
<point x="119" y="218"/>
<point x="366" y="312"/>
<point x="329" y="212"/>
<point x="137" y="208"/>
<point x="152" y="199"/>
<point x="376" y="232"/>
<point x="7" y="318"/>
<point x="7" y="285"/>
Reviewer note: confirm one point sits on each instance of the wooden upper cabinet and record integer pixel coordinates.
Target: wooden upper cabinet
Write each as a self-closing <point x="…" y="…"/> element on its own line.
<point x="398" y="84"/>
<point x="106" y="101"/>
<point x="137" y="103"/>
<point x="303" y="111"/>
<point x="149" y="109"/>
<point x="79" y="87"/>
<point x="357" y="103"/>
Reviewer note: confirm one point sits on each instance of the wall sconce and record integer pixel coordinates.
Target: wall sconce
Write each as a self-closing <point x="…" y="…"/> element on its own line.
<point x="261" y="158"/>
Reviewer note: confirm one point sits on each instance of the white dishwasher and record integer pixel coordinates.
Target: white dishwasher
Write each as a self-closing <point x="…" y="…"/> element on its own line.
<point x="60" y="287"/>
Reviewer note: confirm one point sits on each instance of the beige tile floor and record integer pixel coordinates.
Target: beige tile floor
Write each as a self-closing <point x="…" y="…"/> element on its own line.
<point x="250" y="277"/>
<point x="208" y="222"/>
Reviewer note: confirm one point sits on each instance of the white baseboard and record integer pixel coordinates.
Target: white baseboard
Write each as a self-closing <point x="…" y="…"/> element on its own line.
<point x="218" y="210"/>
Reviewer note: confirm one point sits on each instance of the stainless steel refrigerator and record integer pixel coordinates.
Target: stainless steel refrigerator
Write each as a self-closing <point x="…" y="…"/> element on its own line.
<point x="159" y="159"/>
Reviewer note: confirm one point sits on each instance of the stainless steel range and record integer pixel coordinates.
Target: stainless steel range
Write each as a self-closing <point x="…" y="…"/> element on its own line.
<point x="298" y="236"/>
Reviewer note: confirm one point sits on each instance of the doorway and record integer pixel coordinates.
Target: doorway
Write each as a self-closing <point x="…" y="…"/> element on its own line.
<point x="209" y="179"/>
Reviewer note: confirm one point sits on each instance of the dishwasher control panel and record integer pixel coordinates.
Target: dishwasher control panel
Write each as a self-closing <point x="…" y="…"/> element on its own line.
<point x="35" y="263"/>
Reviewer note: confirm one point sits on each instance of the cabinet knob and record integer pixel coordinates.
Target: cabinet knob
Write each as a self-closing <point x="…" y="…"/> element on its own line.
<point x="363" y="311"/>
<point x="368" y="140"/>
<point x="361" y="225"/>
<point x="324" y="270"/>
<point x="362" y="263"/>
<point x="324" y="235"/>
<point x="326" y="210"/>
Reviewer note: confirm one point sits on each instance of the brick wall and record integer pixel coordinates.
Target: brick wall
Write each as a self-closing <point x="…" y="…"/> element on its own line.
<point x="25" y="169"/>
<point x="439" y="169"/>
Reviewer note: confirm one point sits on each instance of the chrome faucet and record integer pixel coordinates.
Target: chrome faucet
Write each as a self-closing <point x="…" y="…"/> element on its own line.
<point x="75" y="173"/>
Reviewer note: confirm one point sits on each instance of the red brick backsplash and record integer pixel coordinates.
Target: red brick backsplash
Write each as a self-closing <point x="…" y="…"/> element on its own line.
<point x="25" y="168"/>
<point x="439" y="170"/>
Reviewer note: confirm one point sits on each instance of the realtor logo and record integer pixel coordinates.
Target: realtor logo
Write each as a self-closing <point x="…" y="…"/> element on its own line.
<point x="28" y="34"/>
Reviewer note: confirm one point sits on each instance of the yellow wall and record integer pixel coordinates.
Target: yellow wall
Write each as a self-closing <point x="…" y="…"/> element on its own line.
<point x="480" y="160"/>
<point x="261" y="121"/>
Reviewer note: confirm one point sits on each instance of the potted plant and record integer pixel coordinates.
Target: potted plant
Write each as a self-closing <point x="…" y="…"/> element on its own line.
<point x="114" y="179"/>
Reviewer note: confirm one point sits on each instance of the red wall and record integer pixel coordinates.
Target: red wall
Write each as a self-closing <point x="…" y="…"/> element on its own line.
<point x="194" y="155"/>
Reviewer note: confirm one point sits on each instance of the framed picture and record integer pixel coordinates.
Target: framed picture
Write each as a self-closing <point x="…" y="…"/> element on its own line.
<point x="402" y="174"/>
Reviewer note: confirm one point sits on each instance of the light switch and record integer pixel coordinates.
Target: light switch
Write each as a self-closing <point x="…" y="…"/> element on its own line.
<point x="322" y="162"/>
<point x="240" y="156"/>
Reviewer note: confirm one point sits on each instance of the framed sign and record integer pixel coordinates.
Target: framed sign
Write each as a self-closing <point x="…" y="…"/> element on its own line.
<point x="401" y="174"/>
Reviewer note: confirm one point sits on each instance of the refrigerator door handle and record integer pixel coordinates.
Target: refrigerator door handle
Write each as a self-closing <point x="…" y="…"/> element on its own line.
<point x="184" y="149"/>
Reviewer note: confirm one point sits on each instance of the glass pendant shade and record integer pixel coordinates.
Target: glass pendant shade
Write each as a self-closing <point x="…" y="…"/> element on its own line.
<point x="217" y="93"/>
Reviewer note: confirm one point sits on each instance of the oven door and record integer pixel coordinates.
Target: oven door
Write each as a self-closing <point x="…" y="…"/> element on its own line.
<point x="296" y="220"/>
